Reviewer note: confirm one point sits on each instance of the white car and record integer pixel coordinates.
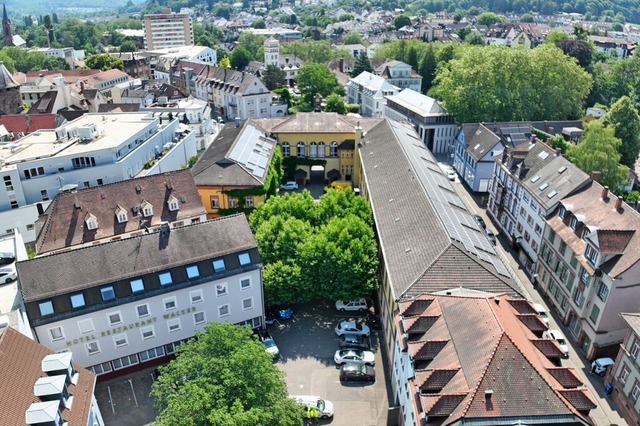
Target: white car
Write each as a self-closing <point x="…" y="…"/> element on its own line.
<point x="451" y="174"/>
<point x="352" y="327"/>
<point x="355" y="356"/>
<point x="359" y="305"/>
<point x="289" y="186"/>
<point x="542" y="312"/>
<point x="325" y="408"/>
<point x="558" y="337"/>
<point x="8" y="274"/>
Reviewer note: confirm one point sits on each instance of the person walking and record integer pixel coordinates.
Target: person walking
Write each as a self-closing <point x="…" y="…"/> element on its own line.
<point x="312" y="415"/>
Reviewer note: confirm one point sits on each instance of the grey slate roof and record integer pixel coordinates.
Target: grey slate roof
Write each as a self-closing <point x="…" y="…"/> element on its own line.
<point x="74" y="270"/>
<point x="633" y="320"/>
<point x="423" y="225"/>
<point x="479" y="140"/>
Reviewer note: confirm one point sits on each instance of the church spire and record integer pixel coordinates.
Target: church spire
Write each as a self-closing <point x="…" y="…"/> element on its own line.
<point x="6" y="27"/>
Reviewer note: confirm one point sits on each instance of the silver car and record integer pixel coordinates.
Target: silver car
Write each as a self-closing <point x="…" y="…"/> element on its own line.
<point x="352" y="327"/>
<point x="355" y="356"/>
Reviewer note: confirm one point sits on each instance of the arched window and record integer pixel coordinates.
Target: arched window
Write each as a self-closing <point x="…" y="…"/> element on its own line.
<point x="286" y="149"/>
<point x="321" y="152"/>
<point x="313" y="152"/>
<point x="300" y="149"/>
<point x="333" y="151"/>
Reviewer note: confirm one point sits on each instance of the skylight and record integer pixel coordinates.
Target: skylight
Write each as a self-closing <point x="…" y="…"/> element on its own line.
<point x="552" y="194"/>
<point x="543" y="154"/>
<point x="535" y="179"/>
<point x="543" y="186"/>
<point x="562" y="169"/>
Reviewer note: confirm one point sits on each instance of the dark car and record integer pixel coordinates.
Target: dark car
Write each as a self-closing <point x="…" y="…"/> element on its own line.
<point x="353" y="341"/>
<point x="278" y="312"/>
<point x="357" y="373"/>
<point x="480" y="221"/>
<point x="491" y="236"/>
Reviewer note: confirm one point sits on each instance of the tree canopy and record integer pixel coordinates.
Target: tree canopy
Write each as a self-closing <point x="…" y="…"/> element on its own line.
<point x="240" y="58"/>
<point x="500" y="84"/>
<point x="104" y="62"/>
<point x="488" y="19"/>
<point x="624" y="118"/>
<point x="274" y="77"/>
<point x="316" y="78"/>
<point x="223" y="377"/>
<point x="316" y="250"/>
<point x="598" y="151"/>
<point x="361" y="65"/>
<point x="335" y="103"/>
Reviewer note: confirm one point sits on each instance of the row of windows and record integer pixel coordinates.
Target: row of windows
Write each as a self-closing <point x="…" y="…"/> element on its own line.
<point x="108" y="293"/>
<point x="232" y="202"/>
<point x="315" y="150"/>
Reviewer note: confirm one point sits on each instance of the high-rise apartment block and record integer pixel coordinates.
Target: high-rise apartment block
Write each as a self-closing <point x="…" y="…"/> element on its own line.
<point x="167" y="30"/>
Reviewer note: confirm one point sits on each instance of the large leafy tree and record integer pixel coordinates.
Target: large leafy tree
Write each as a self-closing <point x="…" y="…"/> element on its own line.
<point x="316" y="250"/>
<point x="579" y="49"/>
<point x="427" y="69"/>
<point x="274" y="77"/>
<point x="494" y="83"/>
<point x="489" y="18"/>
<point x="104" y="62"/>
<point x="335" y="103"/>
<point x="316" y="78"/>
<point x="401" y="21"/>
<point x="623" y="116"/>
<point x="223" y="377"/>
<point x="352" y="37"/>
<point x="598" y="151"/>
<point x="361" y="65"/>
<point x="240" y="57"/>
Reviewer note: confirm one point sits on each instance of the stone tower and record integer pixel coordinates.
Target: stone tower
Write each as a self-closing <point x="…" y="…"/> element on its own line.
<point x="271" y="52"/>
<point x="10" y="99"/>
<point x="6" y="27"/>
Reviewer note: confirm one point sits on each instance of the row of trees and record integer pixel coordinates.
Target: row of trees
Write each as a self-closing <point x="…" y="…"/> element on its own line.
<point x="312" y="250"/>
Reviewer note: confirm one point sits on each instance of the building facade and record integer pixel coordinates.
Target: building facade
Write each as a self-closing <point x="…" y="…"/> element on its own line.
<point x="435" y="126"/>
<point x="94" y="149"/>
<point x="370" y="92"/>
<point x="167" y="30"/>
<point x="138" y="298"/>
<point x="588" y="266"/>
<point x="400" y="75"/>
<point x="624" y="375"/>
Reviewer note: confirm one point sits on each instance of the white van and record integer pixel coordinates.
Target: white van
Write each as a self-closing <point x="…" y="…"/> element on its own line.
<point x="600" y="365"/>
<point x="325" y="408"/>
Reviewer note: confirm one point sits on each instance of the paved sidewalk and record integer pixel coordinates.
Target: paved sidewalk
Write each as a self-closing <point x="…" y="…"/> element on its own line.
<point x="605" y="414"/>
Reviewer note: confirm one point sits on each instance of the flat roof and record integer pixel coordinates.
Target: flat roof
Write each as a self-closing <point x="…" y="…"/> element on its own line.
<point x="112" y="128"/>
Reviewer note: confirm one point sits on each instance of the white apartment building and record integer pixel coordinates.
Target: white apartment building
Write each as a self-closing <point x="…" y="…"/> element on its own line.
<point x="69" y="54"/>
<point x="369" y="91"/>
<point x="435" y="126"/>
<point x="22" y="220"/>
<point x="400" y="75"/>
<point x="167" y="30"/>
<point x="192" y="53"/>
<point x="527" y="185"/>
<point x="94" y="149"/>
<point x="138" y="298"/>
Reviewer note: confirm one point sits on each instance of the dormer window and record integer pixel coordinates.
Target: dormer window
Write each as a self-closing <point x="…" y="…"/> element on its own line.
<point x="121" y="215"/>
<point x="91" y="222"/>
<point x="147" y="209"/>
<point x="591" y="254"/>
<point x="573" y="223"/>
<point x="563" y="211"/>
<point x="173" y="203"/>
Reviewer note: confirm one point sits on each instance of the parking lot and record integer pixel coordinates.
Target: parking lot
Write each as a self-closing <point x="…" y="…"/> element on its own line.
<point x="307" y="344"/>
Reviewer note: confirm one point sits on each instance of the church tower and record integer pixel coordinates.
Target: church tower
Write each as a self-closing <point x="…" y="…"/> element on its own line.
<point x="6" y="27"/>
<point x="271" y="52"/>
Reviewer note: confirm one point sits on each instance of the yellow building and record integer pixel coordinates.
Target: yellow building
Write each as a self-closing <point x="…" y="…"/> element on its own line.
<point x="233" y="173"/>
<point x="325" y="136"/>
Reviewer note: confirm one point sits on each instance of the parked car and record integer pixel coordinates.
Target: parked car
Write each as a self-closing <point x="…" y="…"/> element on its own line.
<point x="558" y="337"/>
<point x="542" y="312"/>
<point x="289" y="186"/>
<point x="352" y="305"/>
<point x="480" y="221"/>
<point x="352" y="327"/>
<point x="354" y="356"/>
<point x="277" y="312"/>
<point x="325" y="408"/>
<point x="491" y="236"/>
<point x="8" y="274"/>
<point x="600" y="365"/>
<point x="6" y="258"/>
<point x="451" y="174"/>
<point x="357" y="373"/>
<point x="353" y="341"/>
<point x="269" y="343"/>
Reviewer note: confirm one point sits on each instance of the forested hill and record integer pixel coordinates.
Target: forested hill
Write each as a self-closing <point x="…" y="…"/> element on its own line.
<point x="609" y="10"/>
<point x="63" y="7"/>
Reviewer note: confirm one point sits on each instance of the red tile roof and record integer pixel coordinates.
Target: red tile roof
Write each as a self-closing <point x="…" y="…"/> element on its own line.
<point x="579" y="398"/>
<point x="614" y="241"/>
<point x="20" y="362"/>
<point x="566" y="376"/>
<point x="27" y="123"/>
<point x="533" y="322"/>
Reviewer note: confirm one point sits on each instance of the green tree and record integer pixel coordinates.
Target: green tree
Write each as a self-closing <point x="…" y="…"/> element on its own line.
<point x="475" y="38"/>
<point x="527" y="17"/>
<point x="223" y="377"/>
<point x="225" y="62"/>
<point x="598" y="151"/>
<point x="240" y="58"/>
<point x="335" y="103"/>
<point x="128" y="46"/>
<point x="274" y="77"/>
<point x="623" y="116"/>
<point x="316" y="78"/>
<point x="493" y="83"/>
<point x="352" y="37"/>
<point x="555" y="36"/>
<point x="259" y="24"/>
<point x="489" y="18"/>
<point x="412" y="57"/>
<point x="581" y="50"/>
<point x="361" y="65"/>
<point x="253" y="43"/>
<point x="401" y="21"/>
<point x="104" y="62"/>
<point x="427" y="68"/>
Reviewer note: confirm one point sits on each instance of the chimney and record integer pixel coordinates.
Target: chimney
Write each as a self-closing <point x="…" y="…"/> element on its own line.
<point x="76" y="203"/>
<point x="488" y="394"/>
<point x="497" y="300"/>
<point x="619" y="203"/>
<point x="358" y="130"/>
<point x="40" y="209"/>
<point x="605" y="192"/>
<point x="558" y="152"/>
<point x="596" y="176"/>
